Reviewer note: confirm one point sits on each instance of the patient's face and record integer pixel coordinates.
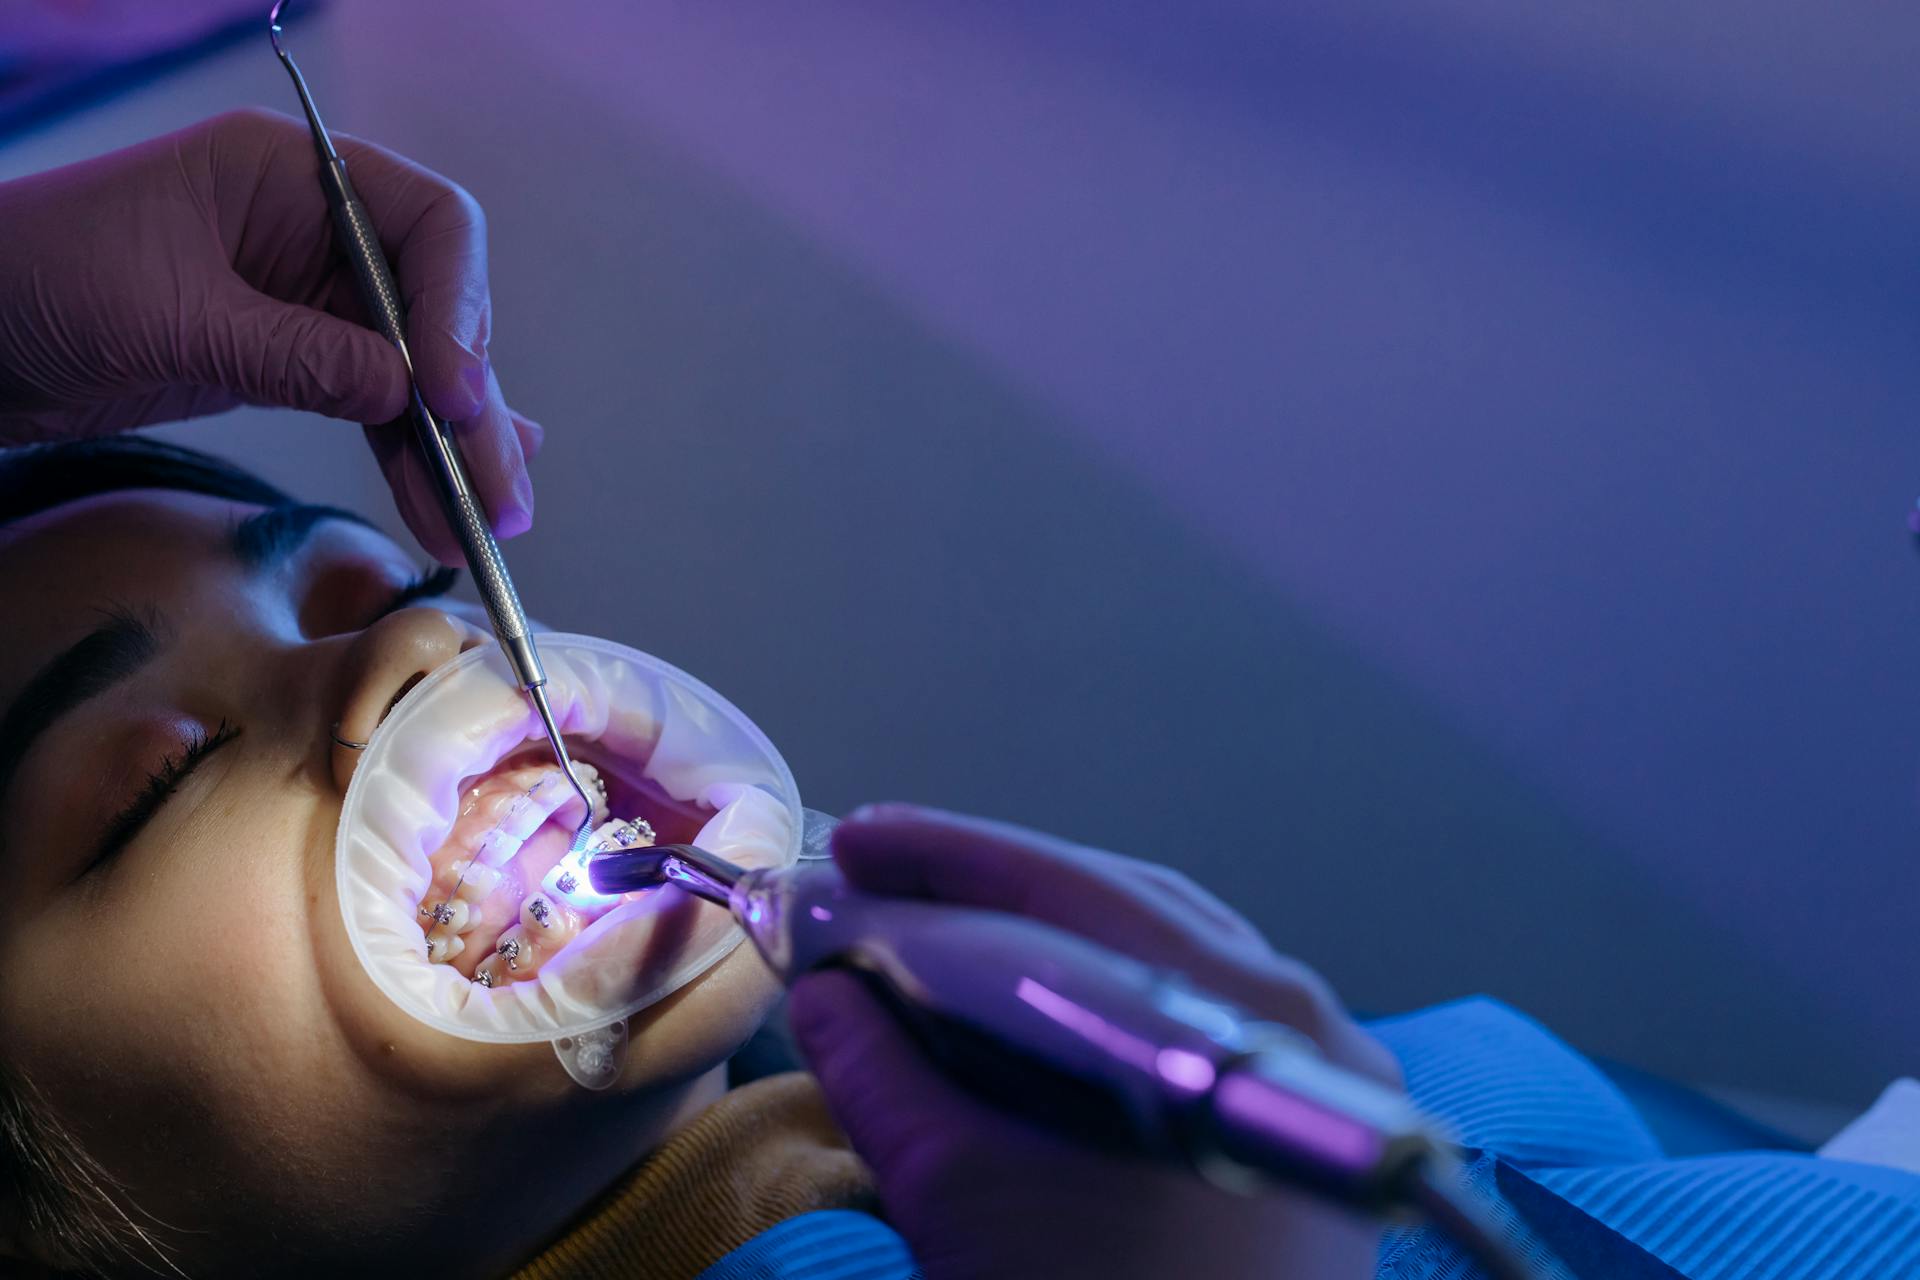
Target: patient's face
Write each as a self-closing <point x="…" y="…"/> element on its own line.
<point x="177" y="977"/>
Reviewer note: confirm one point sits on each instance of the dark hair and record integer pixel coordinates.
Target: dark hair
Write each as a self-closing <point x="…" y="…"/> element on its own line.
<point x="56" y="1197"/>
<point x="39" y="477"/>
<point x="52" y="1192"/>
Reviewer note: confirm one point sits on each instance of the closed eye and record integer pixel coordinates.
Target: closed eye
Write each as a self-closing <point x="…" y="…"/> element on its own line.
<point x="431" y="585"/>
<point x="161" y="784"/>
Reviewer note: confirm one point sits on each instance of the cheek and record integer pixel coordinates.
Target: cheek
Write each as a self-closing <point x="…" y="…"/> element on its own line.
<point x="192" y="980"/>
<point x="186" y="996"/>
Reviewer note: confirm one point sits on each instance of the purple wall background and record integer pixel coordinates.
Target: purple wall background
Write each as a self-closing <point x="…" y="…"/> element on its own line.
<point x="1437" y="476"/>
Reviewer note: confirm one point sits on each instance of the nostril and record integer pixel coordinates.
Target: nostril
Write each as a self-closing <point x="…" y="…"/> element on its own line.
<point x="406" y="688"/>
<point x="385" y="663"/>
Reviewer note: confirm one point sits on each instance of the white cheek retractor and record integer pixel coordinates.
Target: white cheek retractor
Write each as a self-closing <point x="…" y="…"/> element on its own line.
<point x="666" y="747"/>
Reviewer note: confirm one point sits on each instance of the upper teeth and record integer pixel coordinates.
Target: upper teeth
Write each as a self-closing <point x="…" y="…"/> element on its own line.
<point x="498" y="816"/>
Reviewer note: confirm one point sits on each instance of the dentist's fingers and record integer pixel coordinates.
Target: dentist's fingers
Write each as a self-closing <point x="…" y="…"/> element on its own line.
<point x="530" y="434"/>
<point x="879" y="1085"/>
<point x="909" y="851"/>
<point x="435" y="235"/>
<point x="490" y="441"/>
<point x="494" y="459"/>
<point x="270" y="352"/>
<point x="1150" y="912"/>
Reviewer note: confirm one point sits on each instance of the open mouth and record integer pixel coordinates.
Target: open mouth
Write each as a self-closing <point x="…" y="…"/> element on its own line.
<point x="508" y="893"/>
<point x="452" y="854"/>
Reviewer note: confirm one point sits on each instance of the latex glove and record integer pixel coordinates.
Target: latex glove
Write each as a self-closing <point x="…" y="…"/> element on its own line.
<point x="197" y="271"/>
<point x="977" y="1193"/>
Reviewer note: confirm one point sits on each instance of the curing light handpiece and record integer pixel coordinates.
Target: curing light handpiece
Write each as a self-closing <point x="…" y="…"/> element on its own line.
<point x="1095" y="1044"/>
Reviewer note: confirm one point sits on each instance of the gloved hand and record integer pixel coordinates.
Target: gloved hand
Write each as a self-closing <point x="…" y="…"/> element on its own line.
<point x="198" y="271"/>
<point x="978" y="1194"/>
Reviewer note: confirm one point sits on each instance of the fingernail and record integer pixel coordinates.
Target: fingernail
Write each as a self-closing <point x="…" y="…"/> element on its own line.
<point x="473" y="376"/>
<point x="512" y="521"/>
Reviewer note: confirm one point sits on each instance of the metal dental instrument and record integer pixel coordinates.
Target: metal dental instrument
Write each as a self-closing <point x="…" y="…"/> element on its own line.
<point x="1091" y="1043"/>
<point x="699" y="872"/>
<point x="361" y="244"/>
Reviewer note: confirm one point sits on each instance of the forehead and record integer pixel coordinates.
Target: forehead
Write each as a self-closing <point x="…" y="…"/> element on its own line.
<point x="120" y="535"/>
<point x="131" y="546"/>
<point x="105" y="518"/>
<point x="110" y="517"/>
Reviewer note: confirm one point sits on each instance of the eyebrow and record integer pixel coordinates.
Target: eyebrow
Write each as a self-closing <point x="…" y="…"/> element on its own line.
<point x="101" y="659"/>
<point x="265" y="541"/>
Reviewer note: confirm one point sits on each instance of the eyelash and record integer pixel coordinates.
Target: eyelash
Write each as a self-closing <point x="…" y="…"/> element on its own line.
<point x="161" y="783"/>
<point x="430" y="585"/>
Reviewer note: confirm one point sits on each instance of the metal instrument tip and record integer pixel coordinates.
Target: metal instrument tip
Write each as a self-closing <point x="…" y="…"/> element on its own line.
<point x="322" y="140"/>
<point x="538" y="696"/>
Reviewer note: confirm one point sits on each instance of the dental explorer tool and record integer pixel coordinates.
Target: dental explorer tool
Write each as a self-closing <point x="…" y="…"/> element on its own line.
<point x="1091" y="1043"/>
<point x="361" y="244"/>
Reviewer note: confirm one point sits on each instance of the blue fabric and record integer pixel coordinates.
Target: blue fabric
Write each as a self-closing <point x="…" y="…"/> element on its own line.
<point x="1557" y="1150"/>
<point x="1761" y="1216"/>
<point x="1562" y="1150"/>
<point x="1688" y="1123"/>
<point x="832" y="1244"/>
<point x="1507" y="1085"/>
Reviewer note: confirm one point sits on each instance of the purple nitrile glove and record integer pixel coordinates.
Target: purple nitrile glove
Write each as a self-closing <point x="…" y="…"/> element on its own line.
<point x="977" y="1193"/>
<point x="197" y="271"/>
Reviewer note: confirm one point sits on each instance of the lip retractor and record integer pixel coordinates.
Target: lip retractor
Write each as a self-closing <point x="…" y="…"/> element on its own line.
<point x="446" y="790"/>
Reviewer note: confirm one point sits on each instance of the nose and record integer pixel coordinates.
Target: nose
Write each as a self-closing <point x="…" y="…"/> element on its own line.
<point x="385" y="661"/>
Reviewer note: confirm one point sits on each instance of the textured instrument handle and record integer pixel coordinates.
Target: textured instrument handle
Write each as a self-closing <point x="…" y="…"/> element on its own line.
<point x="469" y="521"/>
<point x="361" y="244"/>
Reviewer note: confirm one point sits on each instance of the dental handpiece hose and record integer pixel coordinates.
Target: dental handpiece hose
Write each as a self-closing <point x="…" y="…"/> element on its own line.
<point x="1083" y="1040"/>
